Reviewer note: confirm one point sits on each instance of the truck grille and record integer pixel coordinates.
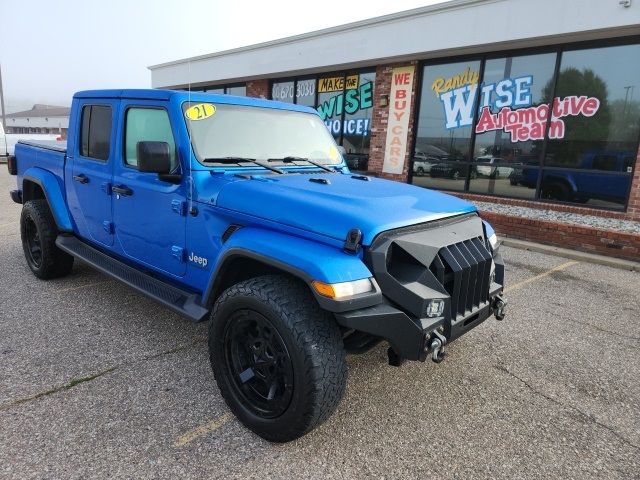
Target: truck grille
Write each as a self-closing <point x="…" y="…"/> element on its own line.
<point x="447" y="257"/>
<point x="463" y="270"/>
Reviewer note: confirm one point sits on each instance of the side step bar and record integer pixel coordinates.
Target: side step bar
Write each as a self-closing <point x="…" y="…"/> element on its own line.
<point x="178" y="300"/>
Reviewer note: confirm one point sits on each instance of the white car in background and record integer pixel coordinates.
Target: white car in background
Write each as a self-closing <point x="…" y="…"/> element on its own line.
<point x="486" y="169"/>
<point x="422" y="163"/>
<point x="8" y="141"/>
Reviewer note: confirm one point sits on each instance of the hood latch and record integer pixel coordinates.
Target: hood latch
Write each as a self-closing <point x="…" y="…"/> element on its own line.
<point x="352" y="243"/>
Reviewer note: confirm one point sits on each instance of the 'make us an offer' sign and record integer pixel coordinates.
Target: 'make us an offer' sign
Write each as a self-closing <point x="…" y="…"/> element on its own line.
<point x="398" y="123"/>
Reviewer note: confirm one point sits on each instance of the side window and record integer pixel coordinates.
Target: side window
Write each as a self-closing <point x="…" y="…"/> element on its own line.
<point x="147" y="124"/>
<point x="605" y="162"/>
<point x="95" y="131"/>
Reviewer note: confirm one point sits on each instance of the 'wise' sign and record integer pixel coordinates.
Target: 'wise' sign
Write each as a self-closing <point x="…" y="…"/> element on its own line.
<point x="398" y="123"/>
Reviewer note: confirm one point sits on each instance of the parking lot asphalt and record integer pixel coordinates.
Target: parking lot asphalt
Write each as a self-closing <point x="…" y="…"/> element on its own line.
<point x="98" y="381"/>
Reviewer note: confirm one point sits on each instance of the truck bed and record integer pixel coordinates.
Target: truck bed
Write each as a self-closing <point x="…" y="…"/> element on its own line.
<point x="56" y="145"/>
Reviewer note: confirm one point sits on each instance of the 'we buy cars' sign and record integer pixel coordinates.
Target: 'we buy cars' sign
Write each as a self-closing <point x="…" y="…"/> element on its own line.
<point x="398" y="123"/>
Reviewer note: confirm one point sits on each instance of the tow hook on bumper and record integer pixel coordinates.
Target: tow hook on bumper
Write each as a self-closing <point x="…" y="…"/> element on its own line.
<point x="499" y="307"/>
<point x="438" y="341"/>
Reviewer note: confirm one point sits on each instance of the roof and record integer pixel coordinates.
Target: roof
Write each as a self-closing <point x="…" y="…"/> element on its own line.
<point x="455" y="27"/>
<point x="41" y="110"/>
<point x="185" y="96"/>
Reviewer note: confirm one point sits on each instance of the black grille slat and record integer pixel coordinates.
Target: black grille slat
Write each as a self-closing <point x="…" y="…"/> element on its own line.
<point x="479" y="272"/>
<point x="463" y="270"/>
<point x="464" y="283"/>
<point x="457" y="279"/>
<point x="488" y="259"/>
<point x="473" y="273"/>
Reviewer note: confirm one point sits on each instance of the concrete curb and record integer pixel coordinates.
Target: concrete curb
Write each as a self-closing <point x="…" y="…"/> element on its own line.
<point x="572" y="254"/>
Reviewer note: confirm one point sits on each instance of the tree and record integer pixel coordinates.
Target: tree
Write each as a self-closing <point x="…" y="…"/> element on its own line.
<point x="581" y="133"/>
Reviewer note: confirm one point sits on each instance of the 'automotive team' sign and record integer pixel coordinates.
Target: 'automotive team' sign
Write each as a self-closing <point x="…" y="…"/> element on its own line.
<point x="398" y="123"/>
<point x="507" y="105"/>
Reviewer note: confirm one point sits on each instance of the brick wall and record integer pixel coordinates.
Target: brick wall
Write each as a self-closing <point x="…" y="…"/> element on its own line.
<point x="381" y="116"/>
<point x="592" y="240"/>
<point x="633" y="210"/>
<point x="258" y="88"/>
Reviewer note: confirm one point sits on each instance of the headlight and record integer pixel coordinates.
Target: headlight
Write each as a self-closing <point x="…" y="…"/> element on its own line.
<point x="343" y="289"/>
<point x="493" y="241"/>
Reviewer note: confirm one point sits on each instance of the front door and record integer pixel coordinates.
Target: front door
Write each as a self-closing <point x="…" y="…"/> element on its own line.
<point x="92" y="171"/>
<point x="149" y="214"/>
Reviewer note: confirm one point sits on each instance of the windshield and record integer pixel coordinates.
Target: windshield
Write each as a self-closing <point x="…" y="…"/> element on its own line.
<point x="220" y="131"/>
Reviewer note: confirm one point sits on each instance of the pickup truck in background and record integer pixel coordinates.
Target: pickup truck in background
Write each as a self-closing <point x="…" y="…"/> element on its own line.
<point x="603" y="175"/>
<point x="8" y="140"/>
<point x="211" y="206"/>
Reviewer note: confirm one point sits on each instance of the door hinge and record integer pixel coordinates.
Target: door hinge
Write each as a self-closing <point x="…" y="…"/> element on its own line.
<point x="108" y="227"/>
<point x="106" y="187"/>
<point x="178" y="253"/>
<point x="179" y="207"/>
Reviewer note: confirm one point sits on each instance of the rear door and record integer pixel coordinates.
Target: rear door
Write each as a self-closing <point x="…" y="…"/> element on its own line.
<point x="150" y="217"/>
<point x="93" y="170"/>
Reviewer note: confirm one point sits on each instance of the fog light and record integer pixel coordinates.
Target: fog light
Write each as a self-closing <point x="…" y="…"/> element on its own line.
<point x="435" y="308"/>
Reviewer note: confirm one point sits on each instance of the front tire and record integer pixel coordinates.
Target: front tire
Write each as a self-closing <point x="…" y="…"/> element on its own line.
<point x="278" y="358"/>
<point x="38" y="232"/>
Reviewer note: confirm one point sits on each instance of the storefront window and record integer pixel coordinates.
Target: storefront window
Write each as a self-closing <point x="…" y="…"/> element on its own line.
<point x="357" y="115"/>
<point x="443" y="142"/>
<point x="306" y="92"/>
<point x="282" y="91"/>
<point x="331" y="102"/>
<point x="238" y="90"/>
<point x="513" y="84"/>
<point x="584" y="120"/>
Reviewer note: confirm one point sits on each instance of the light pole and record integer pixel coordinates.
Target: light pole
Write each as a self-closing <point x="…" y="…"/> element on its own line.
<point x="4" y="123"/>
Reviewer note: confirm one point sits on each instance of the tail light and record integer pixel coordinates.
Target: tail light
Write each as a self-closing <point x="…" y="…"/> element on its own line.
<point x="12" y="165"/>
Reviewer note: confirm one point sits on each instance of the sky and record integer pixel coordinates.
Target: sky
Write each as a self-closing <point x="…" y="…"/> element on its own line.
<point x="49" y="50"/>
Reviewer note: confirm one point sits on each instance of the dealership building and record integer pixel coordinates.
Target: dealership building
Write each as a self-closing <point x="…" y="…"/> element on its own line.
<point x="530" y="109"/>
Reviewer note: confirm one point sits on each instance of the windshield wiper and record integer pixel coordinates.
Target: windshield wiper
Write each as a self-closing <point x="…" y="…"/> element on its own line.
<point x="302" y="159"/>
<point x="237" y="161"/>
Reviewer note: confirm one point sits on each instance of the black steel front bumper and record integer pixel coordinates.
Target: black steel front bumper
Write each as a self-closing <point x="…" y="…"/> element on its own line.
<point x="411" y="337"/>
<point x="449" y="260"/>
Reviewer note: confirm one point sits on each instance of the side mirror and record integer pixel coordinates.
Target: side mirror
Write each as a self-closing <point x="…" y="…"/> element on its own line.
<point x="153" y="157"/>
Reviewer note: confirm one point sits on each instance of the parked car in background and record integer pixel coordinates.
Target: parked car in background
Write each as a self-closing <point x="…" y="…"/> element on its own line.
<point x="605" y="175"/>
<point x="357" y="161"/>
<point x="486" y="167"/>
<point x="8" y="140"/>
<point x="422" y="163"/>
<point x="454" y="170"/>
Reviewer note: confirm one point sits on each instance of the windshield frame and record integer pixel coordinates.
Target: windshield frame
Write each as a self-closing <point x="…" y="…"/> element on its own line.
<point x="232" y="101"/>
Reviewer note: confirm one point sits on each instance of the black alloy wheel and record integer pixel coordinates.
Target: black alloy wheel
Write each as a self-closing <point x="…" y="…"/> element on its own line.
<point x="259" y="362"/>
<point x="33" y="245"/>
<point x="38" y="232"/>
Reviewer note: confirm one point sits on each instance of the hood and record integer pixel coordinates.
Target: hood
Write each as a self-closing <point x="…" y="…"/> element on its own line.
<point x="344" y="203"/>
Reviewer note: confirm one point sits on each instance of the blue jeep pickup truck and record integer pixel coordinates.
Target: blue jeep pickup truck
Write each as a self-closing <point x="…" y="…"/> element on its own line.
<point x="243" y="212"/>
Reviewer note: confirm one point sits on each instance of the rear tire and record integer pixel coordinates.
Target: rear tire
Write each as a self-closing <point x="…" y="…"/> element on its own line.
<point x="278" y="359"/>
<point x="38" y="232"/>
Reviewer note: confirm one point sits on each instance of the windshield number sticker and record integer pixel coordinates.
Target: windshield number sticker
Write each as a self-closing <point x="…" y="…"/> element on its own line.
<point x="200" y="111"/>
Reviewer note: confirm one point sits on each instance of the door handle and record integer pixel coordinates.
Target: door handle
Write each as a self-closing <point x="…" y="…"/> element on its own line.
<point x="82" y="178"/>
<point x="122" y="190"/>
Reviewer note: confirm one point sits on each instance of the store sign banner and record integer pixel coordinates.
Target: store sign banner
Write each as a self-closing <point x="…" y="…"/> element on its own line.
<point x="353" y="101"/>
<point x="512" y="100"/>
<point x="398" y="122"/>
<point x="337" y="84"/>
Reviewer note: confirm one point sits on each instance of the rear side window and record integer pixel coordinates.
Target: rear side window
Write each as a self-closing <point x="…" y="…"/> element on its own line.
<point x="605" y="162"/>
<point x="144" y="125"/>
<point x="95" y="131"/>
